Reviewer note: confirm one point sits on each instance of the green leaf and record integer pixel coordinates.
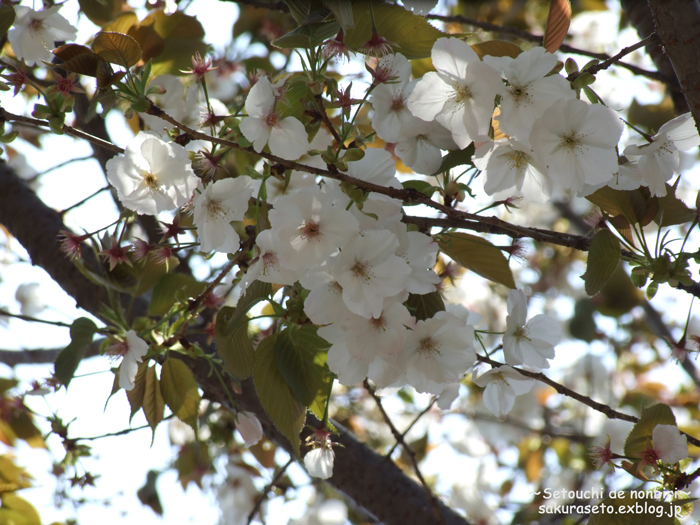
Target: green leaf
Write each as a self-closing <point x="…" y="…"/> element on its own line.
<point x="7" y="18"/>
<point x="169" y="286"/>
<point x="153" y="404"/>
<point x="285" y="410"/>
<point x="420" y="185"/>
<point x="626" y="509"/>
<point x="308" y="35"/>
<point x="603" y="256"/>
<point x="636" y="442"/>
<point x="81" y="333"/>
<point x="497" y="48"/>
<point x="461" y="157"/>
<point x="180" y="391"/>
<point x="256" y="292"/>
<point x="100" y="12"/>
<point x="117" y="48"/>
<point x="412" y="34"/>
<point x="301" y="9"/>
<point x="479" y="256"/>
<point x="236" y="348"/>
<point x="148" y="272"/>
<point x="300" y="355"/>
<point x="672" y="210"/>
<point x="135" y="395"/>
<point x="342" y="9"/>
<point x="425" y="306"/>
<point x="296" y="91"/>
<point x="632" y="204"/>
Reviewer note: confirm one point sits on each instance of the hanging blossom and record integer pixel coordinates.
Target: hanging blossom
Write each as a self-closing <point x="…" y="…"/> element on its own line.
<point x="216" y="207"/>
<point x="35" y="32"/>
<point x="501" y="386"/>
<point x="319" y="461"/>
<point x="528" y="342"/>
<point x="460" y="95"/>
<point x="576" y="142"/>
<point x="152" y="175"/>
<point x="286" y="137"/>
<point x="667" y="445"/>
<point x="249" y="427"/>
<point x="658" y="160"/>
<point x="132" y="350"/>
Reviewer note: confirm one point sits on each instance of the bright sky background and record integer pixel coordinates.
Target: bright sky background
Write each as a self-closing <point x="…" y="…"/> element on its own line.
<point x="123" y="461"/>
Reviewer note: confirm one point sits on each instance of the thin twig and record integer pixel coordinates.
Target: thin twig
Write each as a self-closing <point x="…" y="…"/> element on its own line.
<point x="83" y="201"/>
<point x="267" y="490"/>
<point x="68" y="130"/>
<point x="327" y="121"/>
<point x="5" y="313"/>
<point x="408" y="429"/>
<point x="612" y="60"/>
<point x="411" y="454"/>
<point x="595" y="405"/>
<point x="120" y="433"/>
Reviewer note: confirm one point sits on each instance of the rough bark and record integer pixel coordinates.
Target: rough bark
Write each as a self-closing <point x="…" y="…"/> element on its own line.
<point x="639" y="15"/>
<point x="373" y="482"/>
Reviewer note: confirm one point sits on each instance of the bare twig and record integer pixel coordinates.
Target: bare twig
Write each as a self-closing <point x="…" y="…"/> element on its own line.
<point x="327" y="121"/>
<point x="411" y="454"/>
<point x="408" y="429"/>
<point x="83" y="201"/>
<point x="612" y="60"/>
<point x="267" y="490"/>
<point x="5" y="313"/>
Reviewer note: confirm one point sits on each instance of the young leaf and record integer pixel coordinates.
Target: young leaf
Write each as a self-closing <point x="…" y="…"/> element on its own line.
<point x="100" y="12"/>
<point x="308" y="35"/>
<point x="180" y="391"/>
<point x="456" y="158"/>
<point x="235" y="349"/>
<point x="603" y="258"/>
<point x="255" y="293"/>
<point x="285" y="410"/>
<point x="81" y="333"/>
<point x="117" y="48"/>
<point x="558" y="22"/>
<point x="170" y="285"/>
<point x="16" y="510"/>
<point x="672" y="210"/>
<point x="153" y="404"/>
<point x="497" y="48"/>
<point x="135" y="395"/>
<point x="78" y="59"/>
<point x="479" y="256"/>
<point x="636" y="441"/>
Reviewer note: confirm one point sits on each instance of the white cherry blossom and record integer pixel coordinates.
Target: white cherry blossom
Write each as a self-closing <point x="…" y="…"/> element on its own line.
<point x="509" y="165"/>
<point x="350" y="371"/>
<point x="368" y="271"/>
<point x="528" y="342"/>
<point x="377" y="167"/>
<point x="319" y="462"/>
<point x="286" y="137"/>
<point x="421" y="149"/>
<point x="529" y="91"/>
<point x="658" y="160"/>
<point x="384" y="336"/>
<point x="152" y="175"/>
<point x="460" y="94"/>
<point x="30" y="299"/>
<point x="132" y="350"/>
<point x="502" y="385"/>
<point x="669" y="444"/>
<point x="324" y="304"/>
<point x="438" y="351"/>
<point x="35" y="32"/>
<point x="267" y="267"/>
<point x="216" y="207"/>
<point x="576" y="142"/>
<point x="249" y="428"/>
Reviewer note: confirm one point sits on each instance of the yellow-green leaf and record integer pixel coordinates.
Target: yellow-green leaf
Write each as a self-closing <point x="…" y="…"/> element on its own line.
<point x="117" y="48"/>
<point x="149" y="271"/>
<point x="180" y="391"/>
<point x="603" y="256"/>
<point x="81" y="333"/>
<point x="308" y="35"/>
<point x="235" y="349"/>
<point x="255" y="293"/>
<point x="17" y="511"/>
<point x="558" y="21"/>
<point x="672" y="210"/>
<point x="122" y="23"/>
<point x="412" y="34"/>
<point x="497" y="48"/>
<point x="479" y="256"/>
<point x="280" y="404"/>
<point x="153" y="403"/>
<point x="631" y="204"/>
<point x="636" y="441"/>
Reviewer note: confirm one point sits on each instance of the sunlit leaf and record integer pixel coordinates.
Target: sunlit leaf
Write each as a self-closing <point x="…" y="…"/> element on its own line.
<point x="17" y="511"/>
<point x="180" y="391"/>
<point x="236" y="348"/>
<point x="603" y="256"/>
<point x="307" y="36"/>
<point x="101" y="12"/>
<point x="497" y="48"/>
<point x="255" y="293"/>
<point x="479" y="256"/>
<point x="280" y="404"/>
<point x="117" y="48"/>
<point x="456" y="158"/>
<point x="170" y="287"/>
<point x="636" y="442"/>
<point x="135" y="395"/>
<point x="672" y="210"/>
<point x="122" y="23"/>
<point x="412" y="34"/>
<point x="558" y="21"/>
